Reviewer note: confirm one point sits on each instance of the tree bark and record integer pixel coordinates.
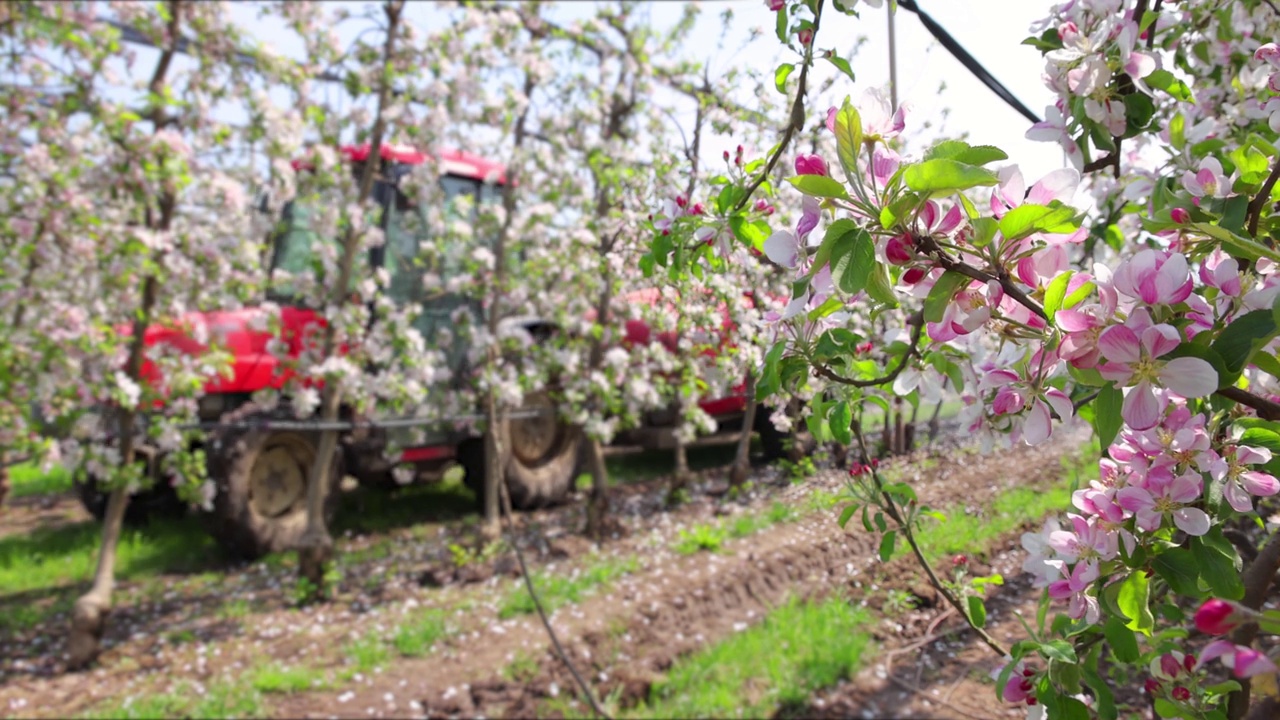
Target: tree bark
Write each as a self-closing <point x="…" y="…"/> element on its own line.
<point x="742" y="458"/>
<point x="4" y="479"/>
<point x="315" y="547"/>
<point x="598" y="503"/>
<point x="89" y="617"/>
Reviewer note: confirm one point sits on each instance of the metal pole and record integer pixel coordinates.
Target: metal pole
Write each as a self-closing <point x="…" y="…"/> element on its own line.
<point x="893" y="60"/>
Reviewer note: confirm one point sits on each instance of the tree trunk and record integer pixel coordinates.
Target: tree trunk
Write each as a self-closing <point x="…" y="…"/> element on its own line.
<point x="315" y="547"/>
<point x="899" y="430"/>
<point x="89" y="617"/>
<point x="493" y="466"/>
<point x="742" y="459"/>
<point x="4" y="478"/>
<point x="598" y="503"/>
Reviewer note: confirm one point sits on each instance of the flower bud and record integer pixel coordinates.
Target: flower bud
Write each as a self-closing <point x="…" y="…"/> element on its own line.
<point x="1216" y="617"/>
<point x="1151" y="685"/>
<point x="805" y="36"/>
<point x="775" y="5"/>
<point x="913" y="275"/>
<point x="900" y="250"/>
<point x="726" y="155"/>
<point x="1180" y="215"/>
<point x="959" y="560"/>
<point x="1181" y="694"/>
<point x="810" y="165"/>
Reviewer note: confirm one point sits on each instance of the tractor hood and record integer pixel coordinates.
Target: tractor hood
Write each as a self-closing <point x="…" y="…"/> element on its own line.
<point x="245" y="335"/>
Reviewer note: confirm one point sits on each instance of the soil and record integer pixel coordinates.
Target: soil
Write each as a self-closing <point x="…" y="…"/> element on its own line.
<point x="172" y="630"/>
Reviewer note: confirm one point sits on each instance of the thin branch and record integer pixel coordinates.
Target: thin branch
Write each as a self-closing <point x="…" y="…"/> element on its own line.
<point x="1259" y="201"/>
<point x="537" y="604"/>
<point x="796" y="122"/>
<point x="917" y="321"/>
<point x="892" y="508"/>
<point x="1257" y="579"/>
<point x="1266" y="409"/>
<point x="1151" y="33"/>
<point x="927" y="244"/>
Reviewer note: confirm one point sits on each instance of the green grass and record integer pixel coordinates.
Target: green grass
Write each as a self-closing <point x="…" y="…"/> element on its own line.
<point x="276" y="679"/>
<point x="221" y="700"/>
<point x="59" y="556"/>
<point x="701" y="537"/>
<point x="556" y="590"/>
<point x="965" y="533"/>
<point x="371" y="510"/>
<point x="644" y="466"/>
<point x="28" y="479"/>
<point x="751" y="523"/>
<point x="423" y="630"/>
<point x="523" y="668"/>
<point x="773" y="666"/>
<point x="367" y="653"/>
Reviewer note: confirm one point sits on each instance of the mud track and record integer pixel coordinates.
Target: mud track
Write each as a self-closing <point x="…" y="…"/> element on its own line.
<point x="624" y="639"/>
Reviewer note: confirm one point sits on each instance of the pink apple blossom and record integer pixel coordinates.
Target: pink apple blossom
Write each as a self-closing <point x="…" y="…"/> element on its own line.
<point x="1166" y="496"/>
<point x="1245" y="662"/>
<point x="1133" y="351"/>
<point x="1208" y="180"/>
<point x="1241" y="482"/>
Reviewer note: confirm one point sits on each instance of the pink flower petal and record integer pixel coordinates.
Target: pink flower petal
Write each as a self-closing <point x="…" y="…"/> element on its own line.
<point x="1191" y="521"/>
<point x="1038" y="425"/>
<point x="1141" y="410"/>
<point x="1119" y="344"/>
<point x="1190" y="377"/>
<point x="1237" y="498"/>
<point x="1259" y="483"/>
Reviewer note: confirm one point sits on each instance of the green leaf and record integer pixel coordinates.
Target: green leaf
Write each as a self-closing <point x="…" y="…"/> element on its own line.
<point x="847" y="514"/>
<point x="841" y="422"/>
<point x="1078" y="295"/>
<point x="852" y="259"/>
<point x="1165" y="80"/>
<point x="1107" y="420"/>
<point x="977" y="611"/>
<point x="1218" y="563"/>
<point x="849" y="139"/>
<point x="1106" y="701"/>
<point x="781" y="24"/>
<point x="1267" y="363"/>
<point x="1177" y="566"/>
<point x="780" y="76"/>
<point x="1055" y="293"/>
<point x="935" y="305"/>
<point x="964" y="152"/>
<point x="880" y="288"/>
<point x="1133" y="600"/>
<point x="1059" y="650"/>
<point x="1028" y="219"/>
<point x="752" y="234"/>
<point x="1237" y="245"/>
<point x="945" y="176"/>
<point x="886" y="545"/>
<point x="842" y="65"/>
<point x="819" y="186"/>
<point x="1123" y="642"/>
<point x="1241" y="339"/>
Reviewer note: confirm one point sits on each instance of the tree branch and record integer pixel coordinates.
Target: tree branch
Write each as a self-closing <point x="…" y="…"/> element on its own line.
<point x="1259" y="201"/>
<point x="1266" y="409"/>
<point x="1257" y="584"/>
<point x="917" y="321"/>
<point x="891" y="508"/>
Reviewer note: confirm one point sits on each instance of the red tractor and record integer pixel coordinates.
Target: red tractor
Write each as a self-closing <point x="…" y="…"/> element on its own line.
<point x="261" y="474"/>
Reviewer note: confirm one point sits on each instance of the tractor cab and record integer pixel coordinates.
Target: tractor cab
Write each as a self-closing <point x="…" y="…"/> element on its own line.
<point x="469" y="183"/>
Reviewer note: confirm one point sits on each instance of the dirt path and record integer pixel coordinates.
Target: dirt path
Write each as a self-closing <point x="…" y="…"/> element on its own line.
<point x="624" y="637"/>
<point x="623" y="640"/>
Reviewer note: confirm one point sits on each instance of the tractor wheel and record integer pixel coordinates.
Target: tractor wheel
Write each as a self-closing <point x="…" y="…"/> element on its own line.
<point x="261" y="477"/>
<point x="158" y="501"/>
<point x="542" y="458"/>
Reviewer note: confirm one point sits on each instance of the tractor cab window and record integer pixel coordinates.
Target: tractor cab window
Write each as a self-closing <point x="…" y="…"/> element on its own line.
<point x="405" y="254"/>
<point x="410" y="253"/>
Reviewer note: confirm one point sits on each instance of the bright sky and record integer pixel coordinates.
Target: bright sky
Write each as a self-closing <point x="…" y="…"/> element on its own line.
<point x="939" y="91"/>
